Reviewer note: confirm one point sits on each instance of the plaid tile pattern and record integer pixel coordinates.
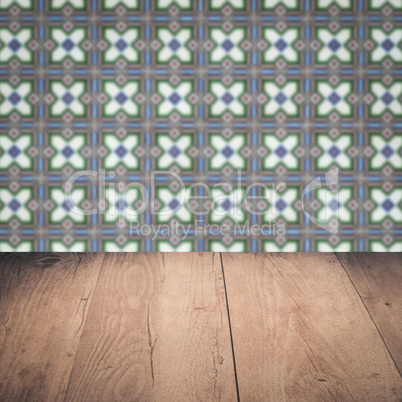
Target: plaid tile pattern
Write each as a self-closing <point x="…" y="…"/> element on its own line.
<point x="233" y="91"/>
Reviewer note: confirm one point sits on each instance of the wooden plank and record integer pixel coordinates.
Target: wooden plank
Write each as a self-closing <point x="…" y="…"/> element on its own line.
<point x="378" y="279"/>
<point x="43" y="305"/>
<point x="157" y="329"/>
<point x="301" y="332"/>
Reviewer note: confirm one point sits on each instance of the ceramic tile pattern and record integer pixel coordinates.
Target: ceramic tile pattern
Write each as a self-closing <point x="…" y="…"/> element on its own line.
<point x="233" y="91"/>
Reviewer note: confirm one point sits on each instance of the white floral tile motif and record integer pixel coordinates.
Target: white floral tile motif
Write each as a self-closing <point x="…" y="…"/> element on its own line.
<point x="245" y="108"/>
<point x="174" y="45"/>
<point x="281" y="45"/>
<point x="68" y="45"/>
<point x="228" y="45"/>
<point x="15" y="45"/>
<point x="121" y="45"/>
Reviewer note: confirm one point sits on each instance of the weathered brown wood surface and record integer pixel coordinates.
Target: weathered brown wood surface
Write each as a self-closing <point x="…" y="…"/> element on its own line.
<point x="301" y="332"/>
<point x="378" y="280"/>
<point x="157" y="329"/>
<point x="44" y="301"/>
<point x="208" y="326"/>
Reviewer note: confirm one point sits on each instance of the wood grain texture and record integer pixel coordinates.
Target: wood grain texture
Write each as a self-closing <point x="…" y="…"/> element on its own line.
<point x="157" y="329"/>
<point x="378" y="279"/>
<point x="43" y="305"/>
<point x="301" y="332"/>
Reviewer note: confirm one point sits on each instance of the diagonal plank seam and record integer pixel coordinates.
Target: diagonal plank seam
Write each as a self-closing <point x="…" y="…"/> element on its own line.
<point x="368" y="312"/>
<point x="230" y="329"/>
<point x="83" y="324"/>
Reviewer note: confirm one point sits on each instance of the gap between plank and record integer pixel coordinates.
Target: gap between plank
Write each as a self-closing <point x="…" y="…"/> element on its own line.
<point x="83" y="326"/>
<point x="368" y="312"/>
<point x="230" y="329"/>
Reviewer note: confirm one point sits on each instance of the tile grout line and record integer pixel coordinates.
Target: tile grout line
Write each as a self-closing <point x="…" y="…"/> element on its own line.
<point x="83" y="326"/>
<point x="230" y="329"/>
<point x="368" y="312"/>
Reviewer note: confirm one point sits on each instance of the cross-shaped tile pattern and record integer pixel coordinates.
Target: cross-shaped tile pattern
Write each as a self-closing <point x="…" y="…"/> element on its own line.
<point x="274" y="92"/>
